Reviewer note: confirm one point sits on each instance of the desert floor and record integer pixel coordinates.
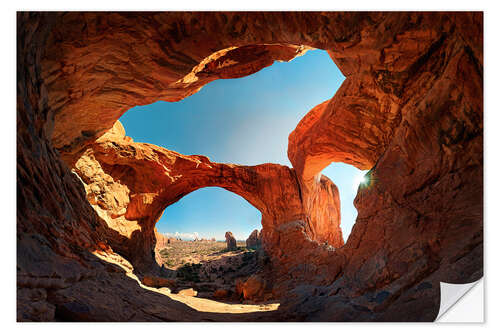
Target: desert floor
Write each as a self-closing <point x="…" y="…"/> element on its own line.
<point x="209" y="268"/>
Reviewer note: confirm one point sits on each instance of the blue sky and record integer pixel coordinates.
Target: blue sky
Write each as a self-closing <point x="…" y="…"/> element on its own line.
<point x="244" y="121"/>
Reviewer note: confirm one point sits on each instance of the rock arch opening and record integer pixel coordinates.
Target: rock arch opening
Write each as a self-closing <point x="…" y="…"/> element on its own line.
<point x="243" y="120"/>
<point x="205" y="245"/>
<point x="348" y="178"/>
<point x="208" y="213"/>
<point x="319" y="217"/>
<point x="247" y="120"/>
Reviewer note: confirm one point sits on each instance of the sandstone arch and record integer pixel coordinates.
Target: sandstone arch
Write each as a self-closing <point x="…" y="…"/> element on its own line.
<point x="417" y="75"/>
<point x="130" y="185"/>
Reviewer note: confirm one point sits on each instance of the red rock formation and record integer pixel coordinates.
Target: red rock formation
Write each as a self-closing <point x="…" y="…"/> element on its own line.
<point x="221" y="293"/>
<point x="161" y="240"/>
<point x="410" y="110"/>
<point x="253" y="241"/>
<point x="230" y="241"/>
<point x="252" y="289"/>
<point x="405" y="240"/>
<point x="130" y="184"/>
<point x="188" y="292"/>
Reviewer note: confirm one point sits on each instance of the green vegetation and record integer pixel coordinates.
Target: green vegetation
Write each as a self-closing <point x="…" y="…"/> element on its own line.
<point x="238" y="250"/>
<point x="247" y="257"/>
<point x="189" y="272"/>
<point x="207" y="266"/>
<point x="180" y="253"/>
<point x="164" y="253"/>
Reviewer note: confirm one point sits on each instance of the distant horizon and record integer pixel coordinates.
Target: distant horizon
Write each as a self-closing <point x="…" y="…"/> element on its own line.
<point x="206" y="239"/>
<point x="182" y="236"/>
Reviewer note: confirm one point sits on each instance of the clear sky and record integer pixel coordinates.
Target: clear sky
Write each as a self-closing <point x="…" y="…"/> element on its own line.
<point x="244" y="121"/>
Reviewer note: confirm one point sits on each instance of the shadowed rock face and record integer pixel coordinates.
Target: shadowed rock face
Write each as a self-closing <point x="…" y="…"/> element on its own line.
<point x="410" y="110"/>
<point x="254" y="240"/>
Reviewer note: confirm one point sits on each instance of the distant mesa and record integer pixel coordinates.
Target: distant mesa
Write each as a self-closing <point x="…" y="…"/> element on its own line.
<point x="203" y="240"/>
<point x="171" y="240"/>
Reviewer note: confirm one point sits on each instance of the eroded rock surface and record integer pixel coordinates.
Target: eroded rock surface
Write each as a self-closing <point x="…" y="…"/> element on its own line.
<point x="410" y="110"/>
<point x="254" y="240"/>
<point x="252" y="289"/>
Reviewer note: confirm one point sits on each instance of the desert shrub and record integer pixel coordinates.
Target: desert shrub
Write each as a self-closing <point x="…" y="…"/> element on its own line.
<point x="164" y="253"/>
<point x="247" y="256"/>
<point x="205" y="287"/>
<point x="189" y="272"/>
<point x="238" y="249"/>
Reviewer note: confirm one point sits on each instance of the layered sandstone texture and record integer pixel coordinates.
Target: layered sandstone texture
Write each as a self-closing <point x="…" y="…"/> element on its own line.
<point x="410" y="110"/>
<point x="254" y="240"/>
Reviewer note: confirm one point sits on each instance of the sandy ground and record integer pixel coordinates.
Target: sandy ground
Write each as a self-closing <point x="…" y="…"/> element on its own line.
<point x="207" y="266"/>
<point x="197" y="303"/>
<point x="179" y="253"/>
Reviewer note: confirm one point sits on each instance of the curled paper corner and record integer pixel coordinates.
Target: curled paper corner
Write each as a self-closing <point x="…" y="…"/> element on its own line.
<point x="461" y="302"/>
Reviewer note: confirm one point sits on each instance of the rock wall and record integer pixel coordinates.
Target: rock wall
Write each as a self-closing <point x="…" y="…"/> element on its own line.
<point x="410" y="110"/>
<point x="254" y="240"/>
<point x="419" y="128"/>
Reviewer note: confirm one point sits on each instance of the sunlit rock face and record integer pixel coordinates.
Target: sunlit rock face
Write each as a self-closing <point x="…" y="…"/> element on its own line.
<point x="130" y="184"/>
<point x="410" y="110"/>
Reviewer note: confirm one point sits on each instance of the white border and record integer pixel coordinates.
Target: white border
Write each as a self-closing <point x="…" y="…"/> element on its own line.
<point x="466" y="305"/>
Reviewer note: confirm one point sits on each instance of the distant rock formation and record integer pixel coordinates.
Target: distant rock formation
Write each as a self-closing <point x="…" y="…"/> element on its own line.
<point x="254" y="240"/>
<point x="230" y="241"/>
<point x="162" y="240"/>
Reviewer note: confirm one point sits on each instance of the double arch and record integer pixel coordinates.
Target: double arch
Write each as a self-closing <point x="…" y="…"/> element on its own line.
<point x="154" y="178"/>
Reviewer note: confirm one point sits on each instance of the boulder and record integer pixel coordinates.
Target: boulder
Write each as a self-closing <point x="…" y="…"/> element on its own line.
<point x="251" y="289"/>
<point x="221" y="293"/>
<point x="158" y="282"/>
<point x="188" y="292"/>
